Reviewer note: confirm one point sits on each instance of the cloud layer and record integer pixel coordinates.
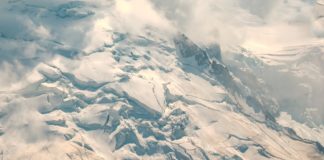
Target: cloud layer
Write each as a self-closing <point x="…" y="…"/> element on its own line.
<point x="33" y="31"/>
<point x="255" y="24"/>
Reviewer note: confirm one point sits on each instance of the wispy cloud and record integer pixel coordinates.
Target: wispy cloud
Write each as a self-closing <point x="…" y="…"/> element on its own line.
<point x="252" y="23"/>
<point x="32" y="29"/>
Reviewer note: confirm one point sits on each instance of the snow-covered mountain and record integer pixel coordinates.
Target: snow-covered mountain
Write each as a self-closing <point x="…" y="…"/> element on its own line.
<point x="104" y="80"/>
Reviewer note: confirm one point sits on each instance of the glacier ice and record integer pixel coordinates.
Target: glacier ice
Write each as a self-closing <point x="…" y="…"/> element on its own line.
<point x="82" y="89"/>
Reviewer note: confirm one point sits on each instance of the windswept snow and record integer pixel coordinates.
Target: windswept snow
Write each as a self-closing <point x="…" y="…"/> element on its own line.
<point x="79" y="83"/>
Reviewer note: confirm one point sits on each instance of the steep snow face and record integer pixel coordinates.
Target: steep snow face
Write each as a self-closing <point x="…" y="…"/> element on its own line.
<point x="86" y="86"/>
<point x="296" y="81"/>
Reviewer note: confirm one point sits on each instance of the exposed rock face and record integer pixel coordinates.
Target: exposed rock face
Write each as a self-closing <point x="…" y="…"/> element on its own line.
<point x="95" y="92"/>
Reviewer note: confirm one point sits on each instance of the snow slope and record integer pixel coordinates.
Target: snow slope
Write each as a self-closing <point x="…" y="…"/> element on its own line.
<point x="84" y="88"/>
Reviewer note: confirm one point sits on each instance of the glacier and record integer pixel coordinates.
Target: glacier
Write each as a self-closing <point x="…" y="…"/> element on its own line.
<point x="93" y="80"/>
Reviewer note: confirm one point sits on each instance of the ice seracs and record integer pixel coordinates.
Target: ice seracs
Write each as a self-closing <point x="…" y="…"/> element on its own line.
<point x="151" y="96"/>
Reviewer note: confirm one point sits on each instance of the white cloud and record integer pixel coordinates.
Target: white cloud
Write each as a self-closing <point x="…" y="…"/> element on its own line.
<point x="254" y="24"/>
<point x="135" y="15"/>
<point x="257" y="25"/>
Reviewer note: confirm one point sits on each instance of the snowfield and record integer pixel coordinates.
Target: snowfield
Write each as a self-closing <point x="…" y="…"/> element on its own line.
<point x="78" y="82"/>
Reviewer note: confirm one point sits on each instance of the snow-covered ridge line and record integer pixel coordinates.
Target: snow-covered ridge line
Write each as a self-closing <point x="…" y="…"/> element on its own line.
<point x="81" y="112"/>
<point x="96" y="88"/>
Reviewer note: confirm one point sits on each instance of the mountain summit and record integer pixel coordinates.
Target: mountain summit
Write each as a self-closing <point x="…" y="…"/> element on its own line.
<point x="101" y="80"/>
